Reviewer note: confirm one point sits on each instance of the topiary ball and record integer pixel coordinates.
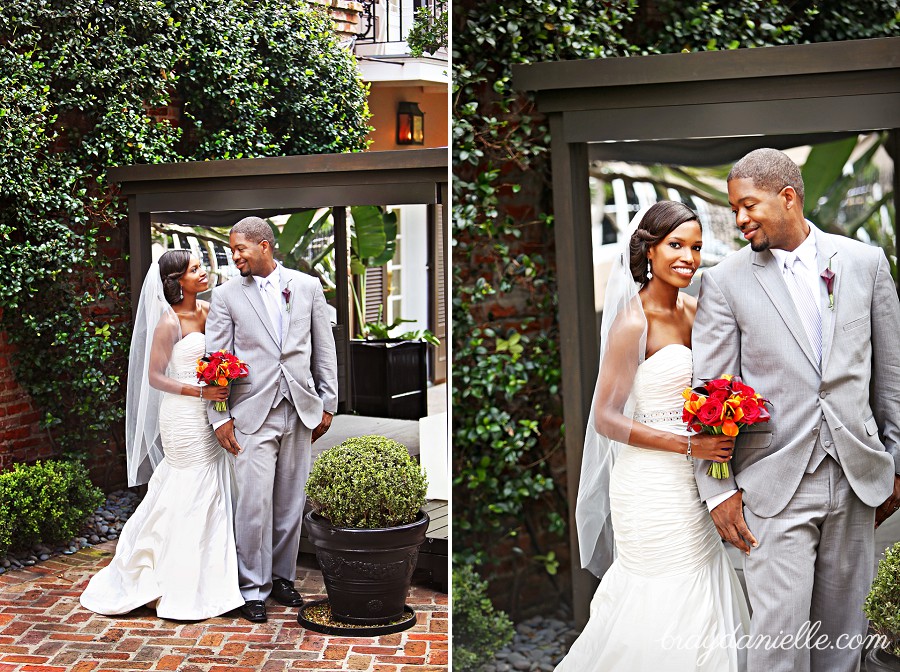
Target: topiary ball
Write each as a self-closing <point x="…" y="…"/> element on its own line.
<point x="882" y="605"/>
<point x="367" y="482"/>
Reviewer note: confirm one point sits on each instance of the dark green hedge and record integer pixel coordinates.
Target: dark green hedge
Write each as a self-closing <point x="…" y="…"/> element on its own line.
<point x="44" y="503"/>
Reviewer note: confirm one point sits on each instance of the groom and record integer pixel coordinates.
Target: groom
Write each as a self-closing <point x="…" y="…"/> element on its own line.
<point x="277" y="321"/>
<point x="811" y="321"/>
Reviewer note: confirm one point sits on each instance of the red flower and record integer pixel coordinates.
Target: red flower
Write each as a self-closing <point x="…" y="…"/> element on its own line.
<point x="719" y="395"/>
<point x="718" y="384"/>
<point x="738" y="386"/>
<point x="752" y="411"/>
<point x="711" y="412"/>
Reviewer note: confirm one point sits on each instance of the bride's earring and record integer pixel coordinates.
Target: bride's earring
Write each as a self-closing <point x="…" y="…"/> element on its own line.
<point x="649" y="269"/>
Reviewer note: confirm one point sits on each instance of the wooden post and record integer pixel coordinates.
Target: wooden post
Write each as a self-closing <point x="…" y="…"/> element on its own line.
<point x="579" y="345"/>
<point x="139" y="248"/>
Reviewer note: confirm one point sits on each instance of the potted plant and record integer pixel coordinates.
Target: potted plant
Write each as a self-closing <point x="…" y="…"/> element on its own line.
<point x="389" y="375"/>
<point x="366" y="526"/>
<point x="882" y="607"/>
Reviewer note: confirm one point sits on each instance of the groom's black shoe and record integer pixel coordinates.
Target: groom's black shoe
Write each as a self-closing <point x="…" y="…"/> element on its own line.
<point x="254" y="611"/>
<point x="283" y="592"/>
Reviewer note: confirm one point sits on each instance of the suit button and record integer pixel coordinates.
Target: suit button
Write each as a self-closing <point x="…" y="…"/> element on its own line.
<point x="827" y="444"/>
<point x="815" y="430"/>
<point x="823" y="394"/>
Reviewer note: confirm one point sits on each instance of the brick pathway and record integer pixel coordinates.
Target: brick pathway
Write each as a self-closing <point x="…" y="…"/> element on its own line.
<point x="43" y="628"/>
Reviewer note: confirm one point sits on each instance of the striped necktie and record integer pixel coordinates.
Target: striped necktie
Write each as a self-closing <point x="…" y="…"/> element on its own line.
<point x="807" y="306"/>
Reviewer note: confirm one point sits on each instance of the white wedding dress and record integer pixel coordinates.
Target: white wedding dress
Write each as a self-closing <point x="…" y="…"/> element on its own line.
<point x="178" y="549"/>
<point x="671" y="600"/>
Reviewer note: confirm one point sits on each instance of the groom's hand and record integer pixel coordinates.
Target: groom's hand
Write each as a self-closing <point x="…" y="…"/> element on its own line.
<point x="323" y="426"/>
<point x="890" y="505"/>
<point x="225" y="435"/>
<point x="729" y="519"/>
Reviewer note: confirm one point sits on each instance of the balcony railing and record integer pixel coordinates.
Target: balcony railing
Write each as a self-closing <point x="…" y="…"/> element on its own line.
<point x="385" y="21"/>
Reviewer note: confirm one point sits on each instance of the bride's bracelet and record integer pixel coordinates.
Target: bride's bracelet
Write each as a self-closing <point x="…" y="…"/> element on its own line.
<point x="688" y="453"/>
<point x="201" y="396"/>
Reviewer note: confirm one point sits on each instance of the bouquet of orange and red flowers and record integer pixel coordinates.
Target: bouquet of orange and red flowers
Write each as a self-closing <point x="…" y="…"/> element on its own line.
<point x="220" y="368"/>
<point x="723" y="405"/>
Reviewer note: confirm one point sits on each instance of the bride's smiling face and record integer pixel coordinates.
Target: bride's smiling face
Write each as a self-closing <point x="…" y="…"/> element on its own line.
<point x="675" y="259"/>
<point x="195" y="279"/>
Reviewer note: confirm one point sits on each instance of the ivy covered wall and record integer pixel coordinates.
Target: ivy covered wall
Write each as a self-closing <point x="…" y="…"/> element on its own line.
<point x="87" y="85"/>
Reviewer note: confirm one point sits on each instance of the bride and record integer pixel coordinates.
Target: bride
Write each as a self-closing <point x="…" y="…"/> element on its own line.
<point x="671" y="599"/>
<point x="177" y="550"/>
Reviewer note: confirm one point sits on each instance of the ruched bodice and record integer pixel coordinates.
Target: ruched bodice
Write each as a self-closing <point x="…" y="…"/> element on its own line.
<point x="185" y="353"/>
<point x="658" y="385"/>
<point x="671" y="576"/>
<point x="183" y="423"/>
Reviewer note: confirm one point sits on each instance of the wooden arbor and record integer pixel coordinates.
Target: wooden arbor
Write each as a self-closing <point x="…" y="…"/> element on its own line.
<point x="222" y="192"/>
<point x="696" y="109"/>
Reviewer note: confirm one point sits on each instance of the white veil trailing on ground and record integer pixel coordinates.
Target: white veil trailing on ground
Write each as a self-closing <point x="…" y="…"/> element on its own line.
<point x="156" y="330"/>
<point x="623" y="343"/>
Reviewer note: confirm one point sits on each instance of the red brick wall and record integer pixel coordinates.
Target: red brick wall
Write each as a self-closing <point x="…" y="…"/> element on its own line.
<point x="344" y="13"/>
<point x="21" y="438"/>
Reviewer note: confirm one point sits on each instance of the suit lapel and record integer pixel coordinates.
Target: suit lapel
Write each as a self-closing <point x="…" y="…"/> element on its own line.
<point x="251" y="290"/>
<point x="827" y="257"/>
<point x="768" y="274"/>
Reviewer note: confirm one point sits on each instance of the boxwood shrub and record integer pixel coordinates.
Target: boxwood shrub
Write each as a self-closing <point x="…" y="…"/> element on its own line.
<point x="367" y="482"/>
<point x="882" y="605"/>
<point x="47" y="502"/>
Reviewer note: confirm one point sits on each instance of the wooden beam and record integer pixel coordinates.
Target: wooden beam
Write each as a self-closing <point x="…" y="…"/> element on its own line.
<point x="718" y="120"/>
<point x="138" y="249"/>
<point x="324" y="164"/>
<point x="798" y="59"/>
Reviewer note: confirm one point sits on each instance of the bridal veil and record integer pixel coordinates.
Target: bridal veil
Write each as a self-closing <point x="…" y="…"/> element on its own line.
<point x="156" y="330"/>
<point x="623" y="342"/>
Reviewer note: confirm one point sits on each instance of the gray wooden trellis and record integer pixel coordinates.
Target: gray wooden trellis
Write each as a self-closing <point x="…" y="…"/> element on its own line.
<point x="222" y="192"/>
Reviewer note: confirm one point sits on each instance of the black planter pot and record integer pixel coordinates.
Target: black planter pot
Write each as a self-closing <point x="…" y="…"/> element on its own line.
<point x="390" y="378"/>
<point x="366" y="572"/>
<point x="879" y="660"/>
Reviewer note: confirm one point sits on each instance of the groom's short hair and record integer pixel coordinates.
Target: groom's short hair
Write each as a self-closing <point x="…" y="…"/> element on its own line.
<point x="255" y="229"/>
<point x="770" y="169"/>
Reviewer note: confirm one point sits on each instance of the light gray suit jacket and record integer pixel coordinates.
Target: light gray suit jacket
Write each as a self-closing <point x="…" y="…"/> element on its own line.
<point x="747" y="325"/>
<point x="304" y="359"/>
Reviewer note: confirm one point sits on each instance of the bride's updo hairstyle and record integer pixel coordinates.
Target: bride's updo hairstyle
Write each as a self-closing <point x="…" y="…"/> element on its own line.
<point x="172" y="265"/>
<point x="658" y="222"/>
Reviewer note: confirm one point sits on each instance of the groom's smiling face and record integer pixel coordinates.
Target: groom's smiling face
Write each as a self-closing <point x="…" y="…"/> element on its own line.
<point x="760" y="215"/>
<point x="249" y="256"/>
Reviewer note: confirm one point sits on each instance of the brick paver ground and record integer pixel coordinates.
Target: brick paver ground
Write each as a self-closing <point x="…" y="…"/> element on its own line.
<point x="43" y="628"/>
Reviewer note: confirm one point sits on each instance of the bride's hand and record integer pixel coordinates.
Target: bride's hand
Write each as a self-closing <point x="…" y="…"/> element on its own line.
<point x="713" y="447"/>
<point x="214" y="393"/>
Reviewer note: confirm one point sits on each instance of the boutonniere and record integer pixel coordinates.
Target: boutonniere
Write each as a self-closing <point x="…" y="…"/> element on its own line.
<point x="828" y="277"/>
<point x="286" y="293"/>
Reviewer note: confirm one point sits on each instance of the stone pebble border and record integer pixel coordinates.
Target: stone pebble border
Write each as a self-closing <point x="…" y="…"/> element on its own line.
<point x="105" y="524"/>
